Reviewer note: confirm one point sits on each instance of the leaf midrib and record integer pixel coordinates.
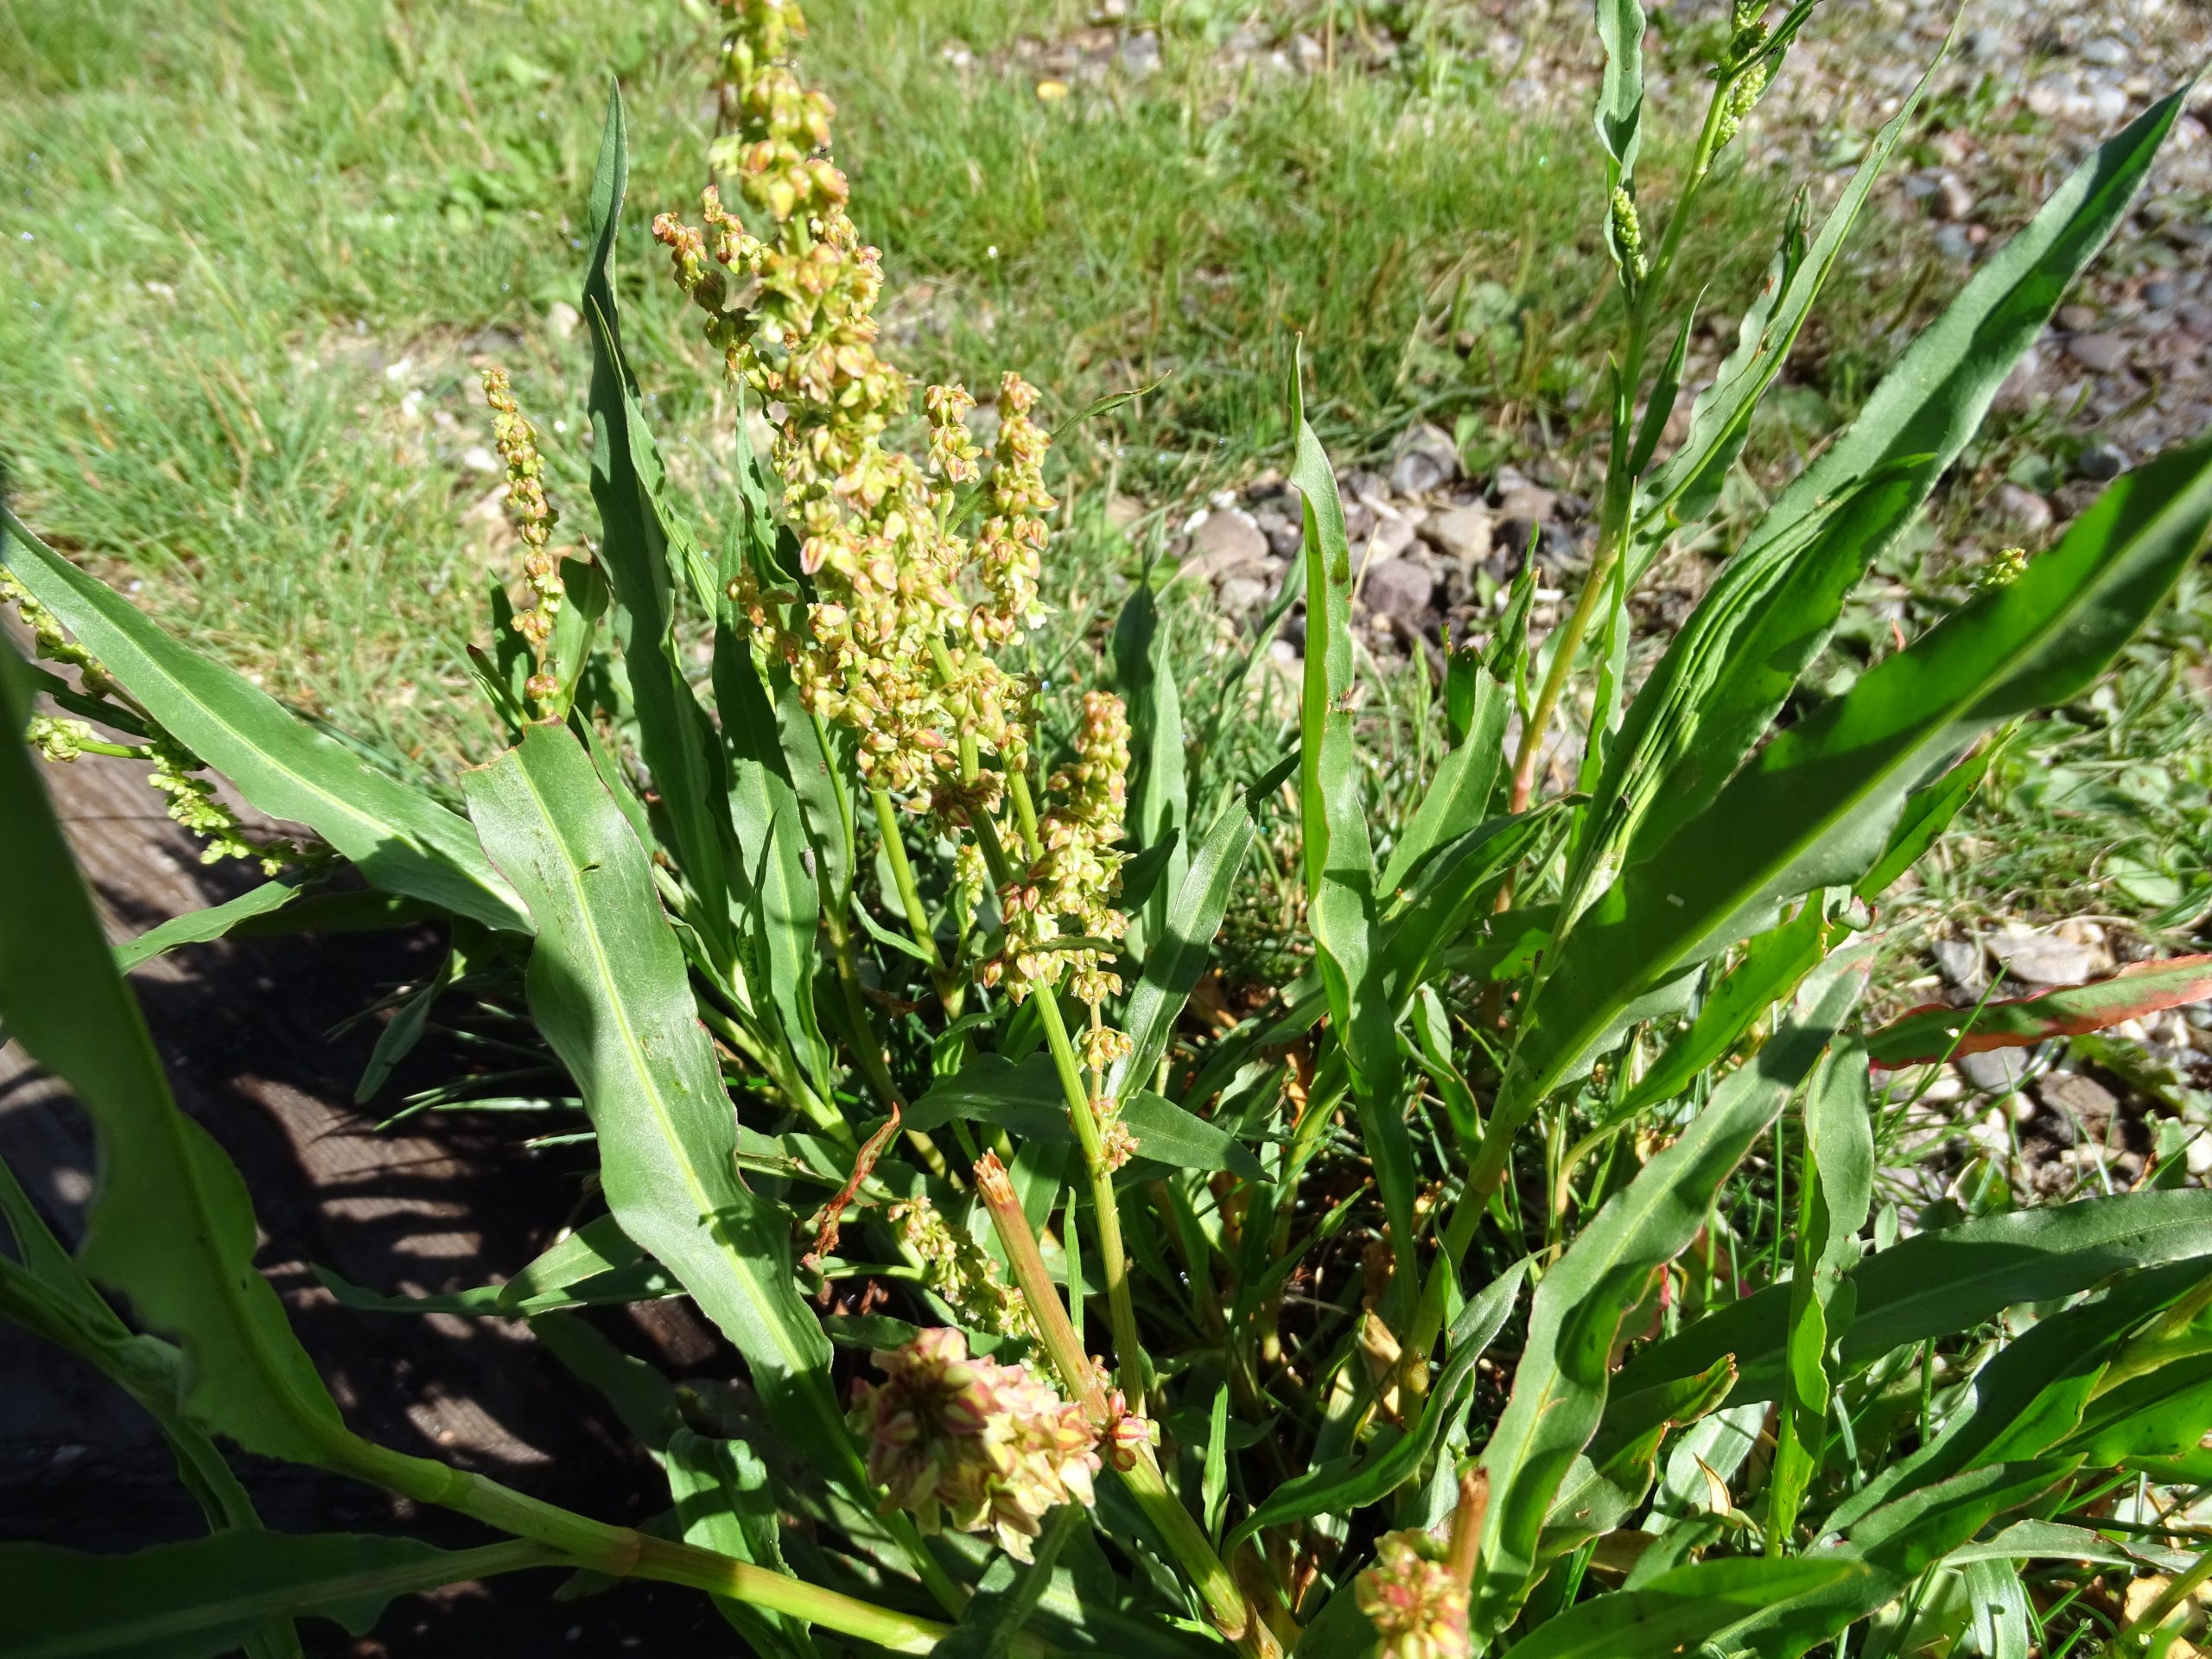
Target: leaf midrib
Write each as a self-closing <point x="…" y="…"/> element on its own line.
<point x="705" y="1208"/>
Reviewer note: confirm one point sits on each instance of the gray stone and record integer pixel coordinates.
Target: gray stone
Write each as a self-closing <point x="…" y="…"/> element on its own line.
<point x="562" y="320"/>
<point x="2043" y="958"/>
<point x="1961" y="963"/>
<point x="1953" y="203"/>
<point x="1527" y="501"/>
<point x="2101" y="353"/>
<point x="2069" y="1093"/>
<point x="1996" y="1071"/>
<point x="1285" y="534"/>
<point x="1140" y="55"/>
<point x="2162" y="294"/>
<point x="1464" y="533"/>
<point x="1404" y="588"/>
<point x="2101" y="462"/>
<point x="2105" y="52"/>
<point x="478" y="458"/>
<point x="1225" y="545"/>
<point x="1241" y="595"/>
<point x="2023" y="510"/>
<point x="1954" y="243"/>
<point x="1392" y="533"/>
<point x="1428" y="460"/>
<point x="2077" y="319"/>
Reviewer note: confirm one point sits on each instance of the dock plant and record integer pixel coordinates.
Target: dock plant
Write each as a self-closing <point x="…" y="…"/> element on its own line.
<point x="1406" y="1306"/>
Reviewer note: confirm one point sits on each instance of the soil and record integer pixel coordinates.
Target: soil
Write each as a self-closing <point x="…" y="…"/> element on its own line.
<point x="246" y="1031"/>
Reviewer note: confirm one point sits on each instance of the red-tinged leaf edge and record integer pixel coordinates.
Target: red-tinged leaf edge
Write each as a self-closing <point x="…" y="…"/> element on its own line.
<point x="1938" y="1032"/>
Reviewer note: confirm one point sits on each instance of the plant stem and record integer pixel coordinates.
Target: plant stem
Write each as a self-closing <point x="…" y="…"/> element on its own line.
<point x="623" y="1552"/>
<point x="1080" y="1378"/>
<point x="1615" y="519"/>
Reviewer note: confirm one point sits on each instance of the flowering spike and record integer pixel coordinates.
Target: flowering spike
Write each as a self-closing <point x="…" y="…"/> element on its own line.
<point x="533" y="517"/>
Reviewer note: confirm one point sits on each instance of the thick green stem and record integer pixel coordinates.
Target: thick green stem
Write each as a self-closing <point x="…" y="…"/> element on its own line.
<point x="1063" y="1346"/>
<point x="623" y="1552"/>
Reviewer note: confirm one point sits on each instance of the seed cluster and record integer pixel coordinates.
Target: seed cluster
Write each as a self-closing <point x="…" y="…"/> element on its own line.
<point x="961" y="1271"/>
<point x="971" y="1443"/>
<point x="1418" y="1609"/>
<point x="192" y="798"/>
<point x="533" y="518"/>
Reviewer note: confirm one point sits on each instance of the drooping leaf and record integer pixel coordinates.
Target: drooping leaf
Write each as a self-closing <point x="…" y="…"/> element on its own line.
<point x="171" y="1227"/>
<point x="1937" y="1031"/>
<point x="199" y="1600"/>
<point x="608" y="988"/>
<point x="1814" y="808"/>
<point x="1942" y="1283"/>
<point x="596" y="1265"/>
<point x="1676" y="1610"/>
<point x="400" y="839"/>
<point x="1620" y="92"/>
<point x="1928" y="811"/>
<point x="203" y="926"/>
<point x="1559" y="1388"/>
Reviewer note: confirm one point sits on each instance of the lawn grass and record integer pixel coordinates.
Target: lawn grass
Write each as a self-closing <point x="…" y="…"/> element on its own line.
<point x="253" y="250"/>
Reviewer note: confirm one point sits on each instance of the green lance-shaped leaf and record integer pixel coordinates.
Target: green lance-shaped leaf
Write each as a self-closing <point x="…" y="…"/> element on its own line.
<point x="1928" y="811"/>
<point x="400" y="839"/>
<point x="1026" y="1098"/>
<point x="1711" y="697"/>
<point x="674" y="734"/>
<point x="1687" y="486"/>
<point x="1459" y="796"/>
<point x="1938" y="1032"/>
<point x="1838" y="1192"/>
<point x="1676" y="1611"/>
<point x="204" y="926"/>
<point x="44" y="1290"/>
<point x="1339" y="862"/>
<point x="199" y="1600"/>
<point x="1343" y="906"/>
<point x="609" y="988"/>
<point x="1620" y="91"/>
<point x="785" y="903"/>
<point x="724" y="1502"/>
<point x="1943" y="1283"/>
<point x="596" y="1265"/>
<point x="1559" y="1388"/>
<point x="1180" y="950"/>
<point x="1895" y="1544"/>
<point x="1814" y="809"/>
<point x="2031" y="1395"/>
<point x="1344" y="1484"/>
<point x="1159" y="796"/>
<point x="1773" y="965"/>
<point x="171" y="1227"/>
<point x="1606" y="1483"/>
